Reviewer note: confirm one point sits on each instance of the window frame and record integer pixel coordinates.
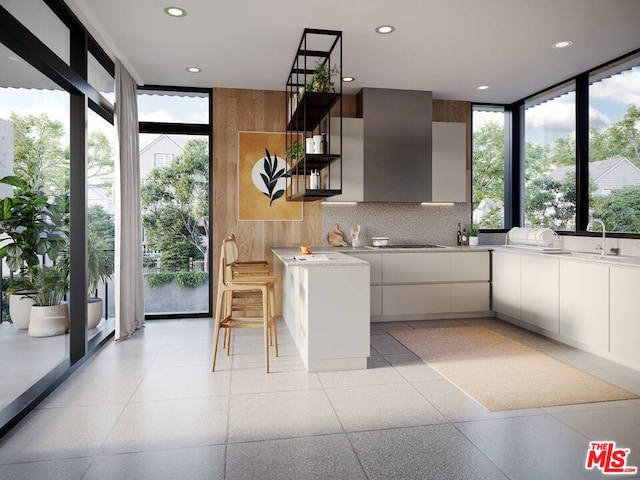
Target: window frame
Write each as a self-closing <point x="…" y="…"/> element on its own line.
<point x="514" y="154"/>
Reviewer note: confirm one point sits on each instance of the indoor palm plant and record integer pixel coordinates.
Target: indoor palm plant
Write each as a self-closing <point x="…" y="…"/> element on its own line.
<point x="49" y="314"/>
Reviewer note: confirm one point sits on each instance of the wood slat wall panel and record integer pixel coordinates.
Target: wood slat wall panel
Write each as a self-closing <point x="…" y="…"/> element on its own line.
<point x="236" y="110"/>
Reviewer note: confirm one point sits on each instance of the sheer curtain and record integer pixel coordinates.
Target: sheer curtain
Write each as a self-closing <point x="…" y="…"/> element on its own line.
<point x="129" y="287"/>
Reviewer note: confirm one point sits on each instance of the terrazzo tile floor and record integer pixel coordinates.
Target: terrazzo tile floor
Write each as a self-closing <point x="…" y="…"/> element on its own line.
<point x="149" y="408"/>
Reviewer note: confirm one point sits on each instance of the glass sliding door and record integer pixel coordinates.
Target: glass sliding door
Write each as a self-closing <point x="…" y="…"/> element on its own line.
<point x="34" y="154"/>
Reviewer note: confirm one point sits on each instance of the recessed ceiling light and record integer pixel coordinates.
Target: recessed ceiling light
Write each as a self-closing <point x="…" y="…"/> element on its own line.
<point x="175" y="11"/>
<point x="384" y="29"/>
<point x="348" y="79"/>
<point x="483" y="87"/>
<point x="193" y="70"/>
<point x="562" y="44"/>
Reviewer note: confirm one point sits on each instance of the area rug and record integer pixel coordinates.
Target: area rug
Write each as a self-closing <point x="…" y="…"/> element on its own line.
<point x="502" y="374"/>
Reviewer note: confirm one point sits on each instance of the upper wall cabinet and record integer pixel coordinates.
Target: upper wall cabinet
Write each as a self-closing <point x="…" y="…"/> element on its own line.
<point x="314" y="90"/>
<point x="449" y="162"/>
<point x="447" y="177"/>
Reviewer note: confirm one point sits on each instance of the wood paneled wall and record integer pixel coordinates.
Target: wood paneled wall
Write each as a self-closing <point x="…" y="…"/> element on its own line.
<point x="236" y="110"/>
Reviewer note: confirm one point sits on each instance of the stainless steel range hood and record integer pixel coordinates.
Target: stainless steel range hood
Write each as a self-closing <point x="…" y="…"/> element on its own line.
<point x="397" y="144"/>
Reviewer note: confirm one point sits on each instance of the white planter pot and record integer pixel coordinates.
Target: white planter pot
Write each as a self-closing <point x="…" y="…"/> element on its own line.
<point x="20" y="310"/>
<point x="49" y="321"/>
<point x="94" y="312"/>
<point x="473" y="240"/>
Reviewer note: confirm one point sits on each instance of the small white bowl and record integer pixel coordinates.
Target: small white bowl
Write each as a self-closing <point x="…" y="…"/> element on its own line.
<point x="380" y="241"/>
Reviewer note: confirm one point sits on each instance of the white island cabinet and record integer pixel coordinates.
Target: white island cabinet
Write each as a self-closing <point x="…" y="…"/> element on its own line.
<point x="325" y="304"/>
<point x="418" y="284"/>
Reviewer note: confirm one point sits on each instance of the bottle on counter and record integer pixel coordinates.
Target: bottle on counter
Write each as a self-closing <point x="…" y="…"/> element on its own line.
<point x="458" y="236"/>
<point x="464" y="240"/>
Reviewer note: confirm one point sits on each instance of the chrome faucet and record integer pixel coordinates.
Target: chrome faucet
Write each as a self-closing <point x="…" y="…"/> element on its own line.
<point x="590" y="225"/>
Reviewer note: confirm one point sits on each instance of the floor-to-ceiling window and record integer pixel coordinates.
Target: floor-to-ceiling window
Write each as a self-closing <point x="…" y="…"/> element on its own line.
<point x="50" y="148"/>
<point x="488" y="166"/>
<point x="614" y="145"/>
<point x="175" y="178"/>
<point x="550" y="159"/>
<point x="34" y="139"/>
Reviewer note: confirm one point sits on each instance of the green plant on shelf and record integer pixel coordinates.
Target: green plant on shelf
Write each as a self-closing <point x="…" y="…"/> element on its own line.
<point x="295" y="151"/>
<point x="473" y="230"/>
<point x="321" y="81"/>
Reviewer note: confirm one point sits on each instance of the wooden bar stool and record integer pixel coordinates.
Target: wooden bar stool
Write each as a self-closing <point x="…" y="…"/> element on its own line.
<point x="232" y="313"/>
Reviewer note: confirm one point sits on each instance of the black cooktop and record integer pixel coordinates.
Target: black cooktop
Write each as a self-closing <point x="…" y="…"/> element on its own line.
<point x="410" y="246"/>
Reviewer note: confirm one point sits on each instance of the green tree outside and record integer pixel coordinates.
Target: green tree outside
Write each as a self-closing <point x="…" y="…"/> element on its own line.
<point x="175" y="203"/>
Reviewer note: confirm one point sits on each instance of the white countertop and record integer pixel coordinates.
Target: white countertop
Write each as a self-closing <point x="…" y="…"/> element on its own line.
<point x="320" y="257"/>
<point x="571" y="255"/>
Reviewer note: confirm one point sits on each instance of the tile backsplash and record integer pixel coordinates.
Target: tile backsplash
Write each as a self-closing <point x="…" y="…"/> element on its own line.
<point x="401" y="222"/>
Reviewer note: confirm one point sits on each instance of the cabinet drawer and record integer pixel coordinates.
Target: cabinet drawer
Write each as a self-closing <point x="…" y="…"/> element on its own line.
<point x="470" y="297"/>
<point x="469" y="266"/>
<point x="416" y="299"/>
<point x="415" y="267"/>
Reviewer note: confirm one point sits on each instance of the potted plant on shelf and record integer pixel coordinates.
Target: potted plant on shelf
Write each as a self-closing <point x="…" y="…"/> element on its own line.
<point x="295" y="151"/>
<point x="321" y="81"/>
<point x="49" y="314"/>
<point x="33" y="224"/>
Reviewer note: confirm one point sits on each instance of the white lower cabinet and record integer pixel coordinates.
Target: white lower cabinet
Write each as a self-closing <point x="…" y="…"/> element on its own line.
<point x="584" y="303"/>
<point x="624" y="319"/>
<point x="428" y="283"/>
<point x="506" y="292"/>
<point x="540" y="292"/>
<point x="419" y="267"/>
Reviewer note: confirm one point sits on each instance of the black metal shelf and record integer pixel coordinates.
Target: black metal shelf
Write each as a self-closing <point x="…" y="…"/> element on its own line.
<point x="316" y="66"/>
<point x="312" y="161"/>
<point x="313" y="194"/>
<point x="312" y="108"/>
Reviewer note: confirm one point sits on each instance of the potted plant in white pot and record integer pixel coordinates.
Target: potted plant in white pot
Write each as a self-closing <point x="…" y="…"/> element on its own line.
<point x="99" y="269"/>
<point x="49" y="314"/>
<point x="473" y="234"/>
<point x="31" y="223"/>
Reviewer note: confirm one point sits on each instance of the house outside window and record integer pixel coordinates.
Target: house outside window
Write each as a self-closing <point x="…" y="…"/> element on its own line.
<point x="550" y="159"/>
<point x="614" y="145"/>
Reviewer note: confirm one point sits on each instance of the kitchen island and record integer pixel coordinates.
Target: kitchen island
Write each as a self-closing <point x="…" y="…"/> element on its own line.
<point x="325" y="304"/>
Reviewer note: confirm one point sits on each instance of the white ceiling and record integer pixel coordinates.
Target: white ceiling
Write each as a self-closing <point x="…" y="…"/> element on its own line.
<point x="446" y="46"/>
